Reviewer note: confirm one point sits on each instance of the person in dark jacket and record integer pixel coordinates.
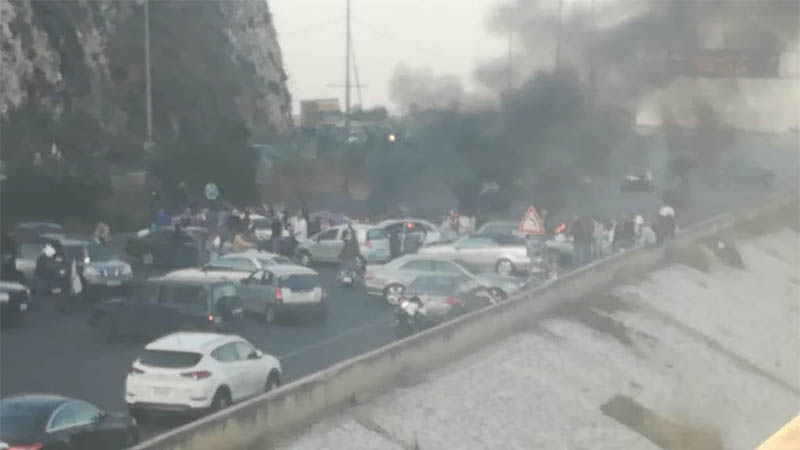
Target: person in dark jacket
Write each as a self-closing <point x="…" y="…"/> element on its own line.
<point x="350" y="252"/>
<point x="277" y="232"/>
<point x="394" y="244"/>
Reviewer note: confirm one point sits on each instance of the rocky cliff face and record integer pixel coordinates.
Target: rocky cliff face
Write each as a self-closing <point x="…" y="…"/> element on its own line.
<point x="73" y="72"/>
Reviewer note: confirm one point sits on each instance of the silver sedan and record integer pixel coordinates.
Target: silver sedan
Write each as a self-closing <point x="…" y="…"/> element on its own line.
<point x="505" y="254"/>
<point x="391" y="280"/>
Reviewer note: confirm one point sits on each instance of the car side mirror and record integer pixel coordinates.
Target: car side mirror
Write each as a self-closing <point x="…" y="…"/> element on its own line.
<point x="255" y="355"/>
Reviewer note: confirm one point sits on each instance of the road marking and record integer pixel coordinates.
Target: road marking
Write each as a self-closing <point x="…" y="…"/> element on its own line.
<point x="332" y="339"/>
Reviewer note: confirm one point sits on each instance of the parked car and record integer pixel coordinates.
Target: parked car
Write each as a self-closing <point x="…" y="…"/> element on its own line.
<point x="638" y="182"/>
<point x="235" y="266"/>
<point x="44" y="421"/>
<point x="424" y="231"/>
<point x="102" y="274"/>
<point x="14" y="300"/>
<point x="325" y="246"/>
<point x="198" y="373"/>
<point x="739" y="173"/>
<point x="549" y="248"/>
<point x="505" y="254"/>
<point x="169" y="303"/>
<point x="166" y="249"/>
<point x="283" y="291"/>
<point x="390" y="280"/>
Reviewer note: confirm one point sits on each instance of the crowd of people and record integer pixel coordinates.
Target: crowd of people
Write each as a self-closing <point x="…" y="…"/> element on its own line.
<point x="593" y="238"/>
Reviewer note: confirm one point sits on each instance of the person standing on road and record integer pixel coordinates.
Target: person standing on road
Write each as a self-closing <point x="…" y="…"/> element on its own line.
<point x="277" y="231"/>
<point x="579" y="240"/>
<point x="300" y="227"/>
<point x="665" y="225"/>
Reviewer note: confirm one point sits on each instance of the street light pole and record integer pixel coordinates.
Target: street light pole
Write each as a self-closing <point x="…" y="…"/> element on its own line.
<point x="347" y="74"/>
<point x="149" y="104"/>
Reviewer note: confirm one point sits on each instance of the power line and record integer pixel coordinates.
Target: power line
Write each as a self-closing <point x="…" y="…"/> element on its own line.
<point x="378" y="32"/>
<point x="310" y="28"/>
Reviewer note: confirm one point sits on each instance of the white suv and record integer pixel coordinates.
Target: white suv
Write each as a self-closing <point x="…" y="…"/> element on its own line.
<point x="197" y="372"/>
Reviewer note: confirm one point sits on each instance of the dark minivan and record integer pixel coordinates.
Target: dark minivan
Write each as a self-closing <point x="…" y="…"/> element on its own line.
<point x="167" y="304"/>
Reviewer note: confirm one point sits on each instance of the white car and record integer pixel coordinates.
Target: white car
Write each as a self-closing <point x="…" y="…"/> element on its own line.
<point x="326" y="245"/>
<point x="418" y="227"/>
<point x="189" y="372"/>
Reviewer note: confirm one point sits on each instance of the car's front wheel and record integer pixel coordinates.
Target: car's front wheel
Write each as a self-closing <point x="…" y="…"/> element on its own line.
<point x="304" y="258"/>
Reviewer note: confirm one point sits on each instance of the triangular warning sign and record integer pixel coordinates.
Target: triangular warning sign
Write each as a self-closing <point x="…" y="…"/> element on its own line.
<point x="531" y="223"/>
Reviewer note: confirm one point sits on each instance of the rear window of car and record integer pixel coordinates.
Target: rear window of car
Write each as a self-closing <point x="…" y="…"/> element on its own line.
<point x="169" y="359"/>
<point x="376" y="234"/>
<point x="300" y="282"/>
<point x="192" y="297"/>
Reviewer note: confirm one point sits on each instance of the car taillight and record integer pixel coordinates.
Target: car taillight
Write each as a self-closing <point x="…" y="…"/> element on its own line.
<point x="368" y="276"/>
<point x="36" y="446"/>
<point x="278" y="294"/>
<point x="210" y="317"/>
<point x="451" y="301"/>
<point x="135" y="371"/>
<point x="197" y="374"/>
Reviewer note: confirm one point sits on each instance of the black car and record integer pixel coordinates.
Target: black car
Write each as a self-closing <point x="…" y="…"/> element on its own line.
<point x="14" y="300"/>
<point x="167" y="304"/>
<point x="49" y="422"/>
<point x="167" y="249"/>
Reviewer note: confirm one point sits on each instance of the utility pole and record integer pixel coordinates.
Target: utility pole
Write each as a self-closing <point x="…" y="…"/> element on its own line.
<point x="148" y="144"/>
<point x="510" y="43"/>
<point x="558" y="33"/>
<point x="347" y="74"/>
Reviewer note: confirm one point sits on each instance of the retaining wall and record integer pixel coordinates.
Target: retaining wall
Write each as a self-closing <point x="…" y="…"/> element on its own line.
<point x="282" y="412"/>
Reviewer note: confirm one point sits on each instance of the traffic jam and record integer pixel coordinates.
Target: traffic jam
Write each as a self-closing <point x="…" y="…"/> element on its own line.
<point x="187" y="288"/>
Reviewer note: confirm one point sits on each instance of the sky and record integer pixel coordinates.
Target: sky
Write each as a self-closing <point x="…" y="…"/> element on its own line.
<point x="447" y="36"/>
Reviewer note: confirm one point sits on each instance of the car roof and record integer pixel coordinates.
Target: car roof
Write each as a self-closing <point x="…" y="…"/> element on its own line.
<point x="35" y="400"/>
<point x="178" y="278"/>
<point x="191" y="341"/>
<point x="286" y="269"/>
<point x="250" y="253"/>
<point x="406" y="219"/>
<point x="68" y="240"/>
<point x="40" y="224"/>
<point x="356" y="226"/>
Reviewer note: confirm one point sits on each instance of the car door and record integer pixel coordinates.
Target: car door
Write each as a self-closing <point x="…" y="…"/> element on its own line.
<point x="328" y="246"/>
<point x="233" y="369"/>
<point x="253" y="372"/>
<point x="476" y="250"/>
<point x="410" y="270"/>
<point x="255" y="291"/>
<point x="91" y="431"/>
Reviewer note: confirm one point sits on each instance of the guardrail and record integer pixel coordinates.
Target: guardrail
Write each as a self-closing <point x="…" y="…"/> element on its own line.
<point x="268" y="418"/>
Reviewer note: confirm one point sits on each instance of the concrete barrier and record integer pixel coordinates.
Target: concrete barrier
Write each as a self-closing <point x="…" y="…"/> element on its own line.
<point x="270" y="417"/>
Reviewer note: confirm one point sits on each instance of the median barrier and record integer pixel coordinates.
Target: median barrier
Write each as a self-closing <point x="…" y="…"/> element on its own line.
<point x="265" y="420"/>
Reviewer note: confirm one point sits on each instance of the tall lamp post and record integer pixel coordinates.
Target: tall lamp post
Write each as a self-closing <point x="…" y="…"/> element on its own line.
<point x="148" y="144"/>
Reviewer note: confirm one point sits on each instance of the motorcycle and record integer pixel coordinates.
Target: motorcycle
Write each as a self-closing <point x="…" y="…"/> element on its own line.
<point x="406" y="320"/>
<point x="352" y="273"/>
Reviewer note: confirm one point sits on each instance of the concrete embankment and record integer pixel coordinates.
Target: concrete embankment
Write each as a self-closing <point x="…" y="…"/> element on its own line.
<point x="554" y="309"/>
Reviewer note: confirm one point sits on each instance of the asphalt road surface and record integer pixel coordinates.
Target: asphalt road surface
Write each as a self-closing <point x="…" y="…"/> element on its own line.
<point x="56" y="352"/>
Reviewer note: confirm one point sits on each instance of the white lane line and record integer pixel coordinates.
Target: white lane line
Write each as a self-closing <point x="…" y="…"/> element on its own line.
<point x="332" y="339"/>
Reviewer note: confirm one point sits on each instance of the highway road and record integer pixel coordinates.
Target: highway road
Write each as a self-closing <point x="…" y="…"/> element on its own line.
<point x="54" y="352"/>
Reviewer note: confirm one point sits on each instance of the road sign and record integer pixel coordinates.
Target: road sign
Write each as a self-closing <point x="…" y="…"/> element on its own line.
<point x="531" y="223"/>
<point x="212" y="191"/>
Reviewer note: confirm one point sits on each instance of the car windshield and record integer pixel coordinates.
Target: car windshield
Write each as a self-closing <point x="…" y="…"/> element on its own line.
<point x="472" y="269"/>
<point x="99" y="253"/>
<point x="300" y="282"/>
<point x="434" y="285"/>
<point x="169" y="359"/>
<point x="275" y="260"/>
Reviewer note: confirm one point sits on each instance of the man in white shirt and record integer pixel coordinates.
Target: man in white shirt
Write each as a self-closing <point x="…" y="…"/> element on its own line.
<point x="300" y="228"/>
